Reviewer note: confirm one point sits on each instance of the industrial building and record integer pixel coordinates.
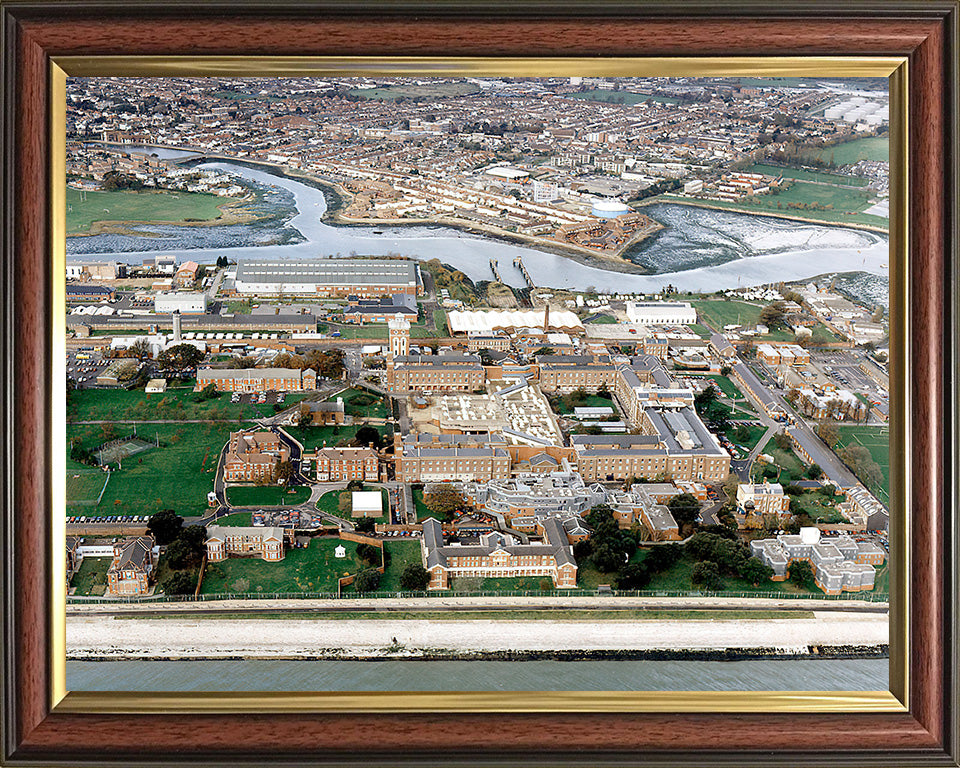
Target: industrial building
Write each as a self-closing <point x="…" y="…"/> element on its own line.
<point x="661" y="312"/>
<point x="184" y="303"/>
<point x="326" y="277"/>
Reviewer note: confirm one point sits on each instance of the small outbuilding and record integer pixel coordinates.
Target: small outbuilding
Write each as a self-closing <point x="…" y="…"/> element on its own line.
<point x="155" y="386"/>
<point x="340" y="551"/>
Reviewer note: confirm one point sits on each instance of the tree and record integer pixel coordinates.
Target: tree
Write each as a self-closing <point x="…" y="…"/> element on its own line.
<point x="195" y="537"/>
<point x="180" y="583"/>
<point x="165" y="526"/>
<point x="367" y="581"/>
<point x="414" y="578"/>
<point x="706" y="574"/>
<point x="814" y="471"/>
<point x="754" y="571"/>
<point x="365" y="525"/>
<point x="782" y="441"/>
<point x="367" y="435"/>
<point x="179" y="554"/>
<point x="285" y="472"/>
<point x="368" y="553"/>
<point x="800" y="572"/>
<point x="443" y="499"/>
<point x="828" y="433"/>
<point x="209" y="392"/>
<point x="684" y="507"/>
<point x="772" y="315"/>
<point x="355" y="485"/>
<point x="633" y="576"/>
<point x="179" y="357"/>
<point x="726" y="370"/>
<point x="140" y="350"/>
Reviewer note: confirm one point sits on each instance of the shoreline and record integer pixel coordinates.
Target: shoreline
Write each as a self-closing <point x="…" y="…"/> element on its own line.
<point x="768" y="214"/>
<point x="810" y="652"/>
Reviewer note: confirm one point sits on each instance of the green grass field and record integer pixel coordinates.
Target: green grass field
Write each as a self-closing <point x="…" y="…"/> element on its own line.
<point x="755" y="434"/>
<point x="236" y="520"/>
<point x="718" y="313"/>
<point x="177" y="475"/>
<point x="266" y="495"/>
<point x="402" y="554"/>
<point x="802" y="174"/>
<point x="875" y="439"/>
<point x="168" y="207"/>
<point x="591" y="401"/>
<point x="313" y="438"/>
<point x="91" y="578"/>
<point x="505" y="584"/>
<point x="791" y="468"/>
<point x="412" y="91"/>
<point x="678" y="578"/>
<point x="615" y="96"/>
<point x="869" y="148"/>
<point x="176" y="404"/>
<point x="817" y="507"/>
<point x="312" y="569"/>
<point x="360" y="402"/>
<point x="84" y="484"/>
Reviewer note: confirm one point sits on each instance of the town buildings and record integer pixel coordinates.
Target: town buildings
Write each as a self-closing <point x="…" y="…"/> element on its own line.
<point x="499" y="555"/>
<point x="840" y="564"/>
<point x="253" y="457"/>
<point x="762" y="499"/>
<point x="257" y="379"/>
<point x="345" y="464"/>
<point x="266" y="542"/>
<point x="132" y="567"/>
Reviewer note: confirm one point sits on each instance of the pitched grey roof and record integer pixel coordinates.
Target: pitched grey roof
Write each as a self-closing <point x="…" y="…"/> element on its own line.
<point x="134" y="553"/>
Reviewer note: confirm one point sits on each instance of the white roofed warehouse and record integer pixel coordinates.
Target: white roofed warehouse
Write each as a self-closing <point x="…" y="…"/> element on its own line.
<point x="327" y="277"/>
<point x="473" y="322"/>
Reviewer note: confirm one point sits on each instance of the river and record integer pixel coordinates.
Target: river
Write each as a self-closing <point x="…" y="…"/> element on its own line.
<point x="699" y="250"/>
<point x="647" y="675"/>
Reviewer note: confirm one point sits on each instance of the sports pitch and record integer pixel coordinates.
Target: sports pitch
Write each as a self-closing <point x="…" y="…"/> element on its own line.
<point x="875" y="439"/>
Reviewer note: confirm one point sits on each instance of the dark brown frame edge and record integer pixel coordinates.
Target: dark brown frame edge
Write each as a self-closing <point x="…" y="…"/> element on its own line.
<point x="926" y="32"/>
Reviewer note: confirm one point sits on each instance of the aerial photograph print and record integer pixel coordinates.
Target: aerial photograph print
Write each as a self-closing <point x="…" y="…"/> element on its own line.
<point x="422" y="383"/>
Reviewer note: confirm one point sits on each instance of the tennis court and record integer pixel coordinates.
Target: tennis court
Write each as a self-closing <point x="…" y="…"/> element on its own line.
<point x="118" y="450"/>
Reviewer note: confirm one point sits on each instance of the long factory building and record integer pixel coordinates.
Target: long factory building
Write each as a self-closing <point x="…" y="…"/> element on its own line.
<point x="364" y="278"/>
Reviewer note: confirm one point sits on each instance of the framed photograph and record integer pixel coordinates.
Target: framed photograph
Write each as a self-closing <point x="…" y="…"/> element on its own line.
<point x="95" y="53"/>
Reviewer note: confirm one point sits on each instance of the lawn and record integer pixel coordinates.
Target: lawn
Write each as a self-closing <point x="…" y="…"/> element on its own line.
<point x="678" y="578"/>
<point x="591" y="401"/>
<point x="176" y="404"/>
<point x="91" y="578"/>
<point x="177" y="475"/>
<point x="791" y="468"/>
<point x="311" y="569"/>
<point x="266" y="495"/>
<point x="411" y="90"/>
<point x="440" y="321"/>
<point x="402" y="554"/>
<point x="755" y="433"/>
<point x="725" y="384"/>
<point x="313" y="438"/>
<point x="869" y="148"/>
<point x="84" y="484"/>
<point x="505" y="584"/>
<point x="615" y="96"/>
<point x="330" y="502"/>
<point x="236" y="520"/>
<point x="423" y="511"/>
<point x="875" y="439"/>
<point x="122" y="206"/>
<point x="718" y="313"/>
<point x="817" y="506"/>
<point x="360" y="402"/>
<point x="803" y="174"/>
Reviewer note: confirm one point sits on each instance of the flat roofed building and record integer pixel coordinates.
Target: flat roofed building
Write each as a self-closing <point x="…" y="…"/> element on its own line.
<point x="328" y="277"/>
<point x="185" y="303"/>
<point x="267" y="542"/>
<point x="560" y="494"/>
<point x="442" y="458"/>
<point x="257" y="379"/>
<point x="499" y="555"/>
<point x="366" y="504"/>
<point x="661" y="312"/>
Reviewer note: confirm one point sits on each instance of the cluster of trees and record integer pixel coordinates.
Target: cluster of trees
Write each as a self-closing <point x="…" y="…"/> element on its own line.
<point x="184" y="550"/>
<point x="328" y="363"/>
<point x="710" y="409"/>
<point x="209" y="392"/>
<point x="773" y="315"/>
<point x="222" y="261"/>
<point x="82" y="455"/>
<point x="659" y="188"/>
<point x="444" y="500"/>
<point x="657" y="559"/>
<point x="608" y="548"/>
<point x="861" y="462"/>
<point x="179" y="357"/>
<point x="113" y="180"/>
<point x="720" y="553"/>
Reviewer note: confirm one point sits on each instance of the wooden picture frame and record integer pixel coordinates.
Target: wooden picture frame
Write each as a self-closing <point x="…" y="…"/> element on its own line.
<point x="38" y="730"/>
